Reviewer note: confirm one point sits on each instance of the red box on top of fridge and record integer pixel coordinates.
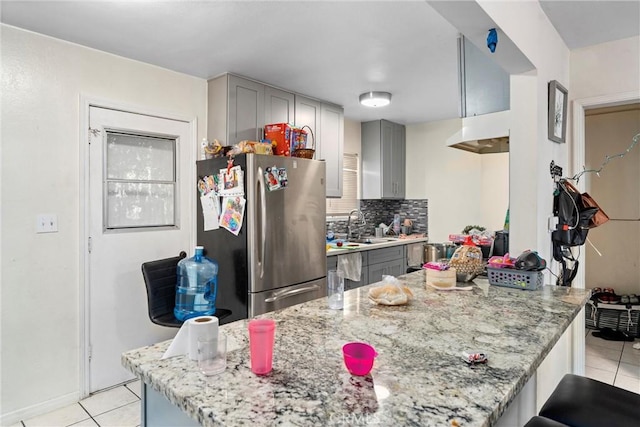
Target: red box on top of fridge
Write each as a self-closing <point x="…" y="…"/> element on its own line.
<point x="298" y="139"/>
<point x="280" y="136"/>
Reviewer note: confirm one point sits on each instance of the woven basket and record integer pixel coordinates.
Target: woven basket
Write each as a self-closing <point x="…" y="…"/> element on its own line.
<point x="467" y="260"/>
<point x="306" y="153"/>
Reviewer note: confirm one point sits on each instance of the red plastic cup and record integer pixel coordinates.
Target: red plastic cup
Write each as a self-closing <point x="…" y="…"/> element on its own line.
<point x="358" y="357"/>
<point x="261" y="338"/>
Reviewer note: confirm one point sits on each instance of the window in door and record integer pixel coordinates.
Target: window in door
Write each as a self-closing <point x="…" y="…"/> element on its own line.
<point x="140" y="181"/>
<point x="349" y="200"/>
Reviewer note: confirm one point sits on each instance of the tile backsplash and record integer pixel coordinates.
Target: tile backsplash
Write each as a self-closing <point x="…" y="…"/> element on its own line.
<point x="382" y="211"/>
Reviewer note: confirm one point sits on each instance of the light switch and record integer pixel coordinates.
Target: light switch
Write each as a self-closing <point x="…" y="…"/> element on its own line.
<point x="47" y="223"/>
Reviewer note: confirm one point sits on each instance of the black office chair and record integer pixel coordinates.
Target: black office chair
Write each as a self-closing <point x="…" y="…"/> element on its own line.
<point x="160" y="278"/>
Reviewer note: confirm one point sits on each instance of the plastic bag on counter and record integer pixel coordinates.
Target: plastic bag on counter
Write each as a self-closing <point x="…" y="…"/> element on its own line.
<point x="390" y="293"/>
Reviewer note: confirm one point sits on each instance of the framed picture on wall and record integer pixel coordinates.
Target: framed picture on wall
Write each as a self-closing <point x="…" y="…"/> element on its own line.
<point x="557" y="112"/>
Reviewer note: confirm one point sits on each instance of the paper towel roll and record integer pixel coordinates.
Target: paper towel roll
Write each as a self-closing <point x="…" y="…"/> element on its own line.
<point x="201" y="327"/>
<point x="186" y="340"/>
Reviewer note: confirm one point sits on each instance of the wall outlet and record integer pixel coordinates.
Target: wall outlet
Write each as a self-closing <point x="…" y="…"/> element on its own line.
<point x="47" y="223"/>
<point x="552" y="223"/>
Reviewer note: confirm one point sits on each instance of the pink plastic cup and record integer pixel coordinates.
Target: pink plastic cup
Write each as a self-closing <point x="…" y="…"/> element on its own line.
<point x="358" y="357"/>
<point x="261" y="338"/>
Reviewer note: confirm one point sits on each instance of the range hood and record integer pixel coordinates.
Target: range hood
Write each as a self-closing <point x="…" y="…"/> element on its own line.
<point x="483" y="134"/>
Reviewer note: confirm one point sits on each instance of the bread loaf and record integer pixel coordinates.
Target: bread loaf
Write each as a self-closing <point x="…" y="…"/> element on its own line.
<point x="390" y="295"/>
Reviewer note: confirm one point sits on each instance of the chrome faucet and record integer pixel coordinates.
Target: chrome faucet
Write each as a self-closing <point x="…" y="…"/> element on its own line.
<point x="360" y="222"/>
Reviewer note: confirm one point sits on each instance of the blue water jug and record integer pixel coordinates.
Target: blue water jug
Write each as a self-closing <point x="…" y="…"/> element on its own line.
<point x="197" y="286"/>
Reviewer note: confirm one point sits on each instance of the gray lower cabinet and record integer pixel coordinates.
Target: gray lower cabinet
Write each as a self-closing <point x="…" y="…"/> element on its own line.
<point x="375" y="264"/>
<point x="386" y="262"/>
<point x="389" y="268"/>
<point x="332" y="264"/>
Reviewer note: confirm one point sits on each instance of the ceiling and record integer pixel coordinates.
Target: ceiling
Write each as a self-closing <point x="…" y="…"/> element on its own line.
<point x="329" y="50"/>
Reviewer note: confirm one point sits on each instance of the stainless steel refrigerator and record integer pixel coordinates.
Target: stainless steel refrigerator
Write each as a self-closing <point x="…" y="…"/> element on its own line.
<point x="278" y="259"/>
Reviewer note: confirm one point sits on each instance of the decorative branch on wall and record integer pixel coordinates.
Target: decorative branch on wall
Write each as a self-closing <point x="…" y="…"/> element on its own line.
<point x="607" y="159"/>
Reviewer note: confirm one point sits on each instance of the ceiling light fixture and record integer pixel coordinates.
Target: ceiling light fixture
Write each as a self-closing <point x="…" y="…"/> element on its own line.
<point x="375" y="99"/>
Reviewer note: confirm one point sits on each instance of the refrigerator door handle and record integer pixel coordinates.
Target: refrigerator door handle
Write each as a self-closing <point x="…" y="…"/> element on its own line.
<point x="291" y="292"/>
<point x="263" y="219"/>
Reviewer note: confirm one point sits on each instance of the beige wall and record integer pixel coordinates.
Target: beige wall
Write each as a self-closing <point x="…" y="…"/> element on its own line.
<point x="494" y="196"/>
<point x="449" y="178"/>
<point x="617" y="191"/>
<point x="462" y="188"/>
<point x="42" y="81"/>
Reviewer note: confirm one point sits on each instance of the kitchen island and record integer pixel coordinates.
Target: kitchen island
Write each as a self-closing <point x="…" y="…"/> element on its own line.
<point x="419" y="377"/>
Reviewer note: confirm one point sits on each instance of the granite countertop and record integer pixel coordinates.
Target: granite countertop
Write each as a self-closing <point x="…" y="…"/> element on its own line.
<point x="389" y="241"/>
<point x="419" y="377"/>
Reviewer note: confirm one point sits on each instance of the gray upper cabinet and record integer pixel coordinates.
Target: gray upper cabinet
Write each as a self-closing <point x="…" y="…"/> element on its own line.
<point x="383" y="160"/>
<point x="239" y="108"/>
<point x="399" y="159"/>
<point x="236" y="109"/>
<point x="331" y="145"/>
<point x="307" y="113"/>
<point x="327" y="123"/>
<point x="279" y="106"/>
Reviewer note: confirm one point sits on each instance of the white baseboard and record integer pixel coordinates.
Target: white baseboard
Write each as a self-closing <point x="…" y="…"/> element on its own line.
<point x="38" y="409"/>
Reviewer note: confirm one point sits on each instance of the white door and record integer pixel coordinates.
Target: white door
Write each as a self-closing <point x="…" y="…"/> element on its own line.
<point x="141" y="181"/>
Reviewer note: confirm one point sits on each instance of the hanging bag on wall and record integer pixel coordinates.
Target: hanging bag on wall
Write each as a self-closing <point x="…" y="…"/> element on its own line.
<point x="600" y="217"/>
<point x="573" y="218"/>
<point x="574" y="222"/>
<point x="587" y="201"/>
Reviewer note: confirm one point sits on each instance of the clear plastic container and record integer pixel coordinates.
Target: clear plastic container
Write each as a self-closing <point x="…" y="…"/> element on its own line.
<point x="197" y="286"/>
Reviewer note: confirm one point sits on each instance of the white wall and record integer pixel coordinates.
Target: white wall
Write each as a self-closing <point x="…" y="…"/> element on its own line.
<point x="605" y="69"/>
<point x="531" y="198"/>
<point x="531" y="151"/>
<point x="42" y="80"/>
<point x="600" y="70"/>
<point x="448" y="177"/>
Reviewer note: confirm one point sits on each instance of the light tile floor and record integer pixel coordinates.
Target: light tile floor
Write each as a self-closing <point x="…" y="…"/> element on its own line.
<point x="116" y="407"/>
<point x="612" y="362"/>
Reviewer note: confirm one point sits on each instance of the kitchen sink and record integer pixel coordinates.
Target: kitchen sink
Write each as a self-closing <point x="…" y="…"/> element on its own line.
<point x="372" y="240"/>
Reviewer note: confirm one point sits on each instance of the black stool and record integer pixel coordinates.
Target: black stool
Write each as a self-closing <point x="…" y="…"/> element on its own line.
<point x="582" y="402"/>
<point x="543" y="422"/>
